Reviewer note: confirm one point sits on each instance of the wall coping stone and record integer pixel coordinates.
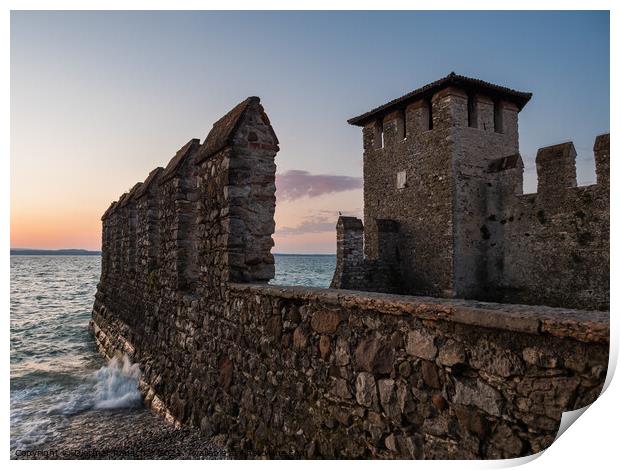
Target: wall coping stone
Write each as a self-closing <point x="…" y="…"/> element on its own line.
<point x="175" y="162"/>
<point x="588" y="326"/>
<point x="147" y="182"/>
<point x="131" y="194"/>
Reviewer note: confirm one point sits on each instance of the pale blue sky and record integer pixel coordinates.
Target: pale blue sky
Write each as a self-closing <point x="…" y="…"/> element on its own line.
<point x="100" y="98"/>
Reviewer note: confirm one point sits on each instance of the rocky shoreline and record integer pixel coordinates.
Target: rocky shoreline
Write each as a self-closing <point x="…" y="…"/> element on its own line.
<point x="126" y="434"/>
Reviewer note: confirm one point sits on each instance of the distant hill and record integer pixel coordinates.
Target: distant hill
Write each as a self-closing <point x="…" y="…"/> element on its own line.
<point x="64" y="252"/>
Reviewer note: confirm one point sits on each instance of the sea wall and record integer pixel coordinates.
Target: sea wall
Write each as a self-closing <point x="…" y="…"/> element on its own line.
<point x="307" y="372"/>
<point x="302" y="372"/>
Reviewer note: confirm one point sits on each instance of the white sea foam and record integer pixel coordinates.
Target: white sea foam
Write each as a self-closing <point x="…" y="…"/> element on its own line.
<point x="112" y="386"/>
<point x="117" y="385"/>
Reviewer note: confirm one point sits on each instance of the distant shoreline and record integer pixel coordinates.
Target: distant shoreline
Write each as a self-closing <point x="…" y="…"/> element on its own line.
<point x="63" y="252"/>
<point x="80" y="252"/>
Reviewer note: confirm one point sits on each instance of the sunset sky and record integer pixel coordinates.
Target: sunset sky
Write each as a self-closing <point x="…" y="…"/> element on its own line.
<point x="98" y="99"/>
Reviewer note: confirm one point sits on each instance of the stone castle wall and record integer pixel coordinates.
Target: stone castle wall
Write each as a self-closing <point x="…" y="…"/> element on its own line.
<point x="563" y="228"/>
<point x="302" y="372"/>
<point x="447" y="171"/>
<point x="353" y="270"/>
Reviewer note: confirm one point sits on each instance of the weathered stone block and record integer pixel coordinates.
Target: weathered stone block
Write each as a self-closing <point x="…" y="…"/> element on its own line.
<point x="324" y="347"/>
<point x="325" y="321"/>
<point x="340" y="388"/>
<point x="452" y="353"/>
<point x="421" y="344"/>
<point x="300" y="337"/>
<point x="342" y="352"/>
<point x="372" y="355"/>
<point x="539" y="357"/>
<point x="430" y="374"/>
<point x="387" y="397"/>
<point x="480" y="394"/>
<point x="366" y="389"/>
<point x="495" y="359"/>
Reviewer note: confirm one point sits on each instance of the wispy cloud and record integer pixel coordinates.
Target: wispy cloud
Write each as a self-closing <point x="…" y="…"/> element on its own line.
<point x="309" y="226"/>
<point x="319" y="222"/>
<point x="295" y="184"/>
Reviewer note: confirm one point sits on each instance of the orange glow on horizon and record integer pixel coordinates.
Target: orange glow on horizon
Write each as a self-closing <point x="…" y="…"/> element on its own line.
<point x="60" y="220"/>
<point x="55" y="231"/>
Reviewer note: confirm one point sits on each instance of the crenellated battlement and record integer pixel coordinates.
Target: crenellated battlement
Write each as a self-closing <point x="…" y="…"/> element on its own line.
<point x="443" y="162"/>
<point x="188" y="218"/>
<point x="562" y="228"/>
<point x="452" y="102"/>
<point x="601" y="160"/>
<point x="556" y="170"/>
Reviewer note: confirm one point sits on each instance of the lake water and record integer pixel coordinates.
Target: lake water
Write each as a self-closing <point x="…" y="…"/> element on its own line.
<point x="62" y="392"/>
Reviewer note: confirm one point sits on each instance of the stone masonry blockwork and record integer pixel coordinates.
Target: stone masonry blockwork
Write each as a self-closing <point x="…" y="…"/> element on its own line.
<point x="453" y="183"/>
<point x="317" y="373"/>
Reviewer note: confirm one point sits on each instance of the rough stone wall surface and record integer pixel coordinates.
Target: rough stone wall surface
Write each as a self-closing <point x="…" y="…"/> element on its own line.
<point x="465" y="229"/>
<point x="350" y="272"/>
<point x="473" y="150"/>
<point x="423" y="207"/>
<point x="353" y="270"/>
<point x="564" y="232"/>
<point x="303" y="372"/>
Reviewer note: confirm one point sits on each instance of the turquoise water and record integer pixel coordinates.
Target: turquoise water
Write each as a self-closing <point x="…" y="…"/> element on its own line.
<point x="304" y="270"/>
<point x="60" y="385"/>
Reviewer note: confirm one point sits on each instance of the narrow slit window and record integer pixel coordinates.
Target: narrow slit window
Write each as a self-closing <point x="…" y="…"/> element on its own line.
<point x="497" y="117"/>
<point x="377" y="135"/>
<point x="401" y="129"/>
<point x="430" y="114"/>
<point x="472" y="111"/>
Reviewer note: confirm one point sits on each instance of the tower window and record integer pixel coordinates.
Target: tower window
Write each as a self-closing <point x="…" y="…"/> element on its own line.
<point x="498" y="117"/>
<point x="472" y="111"/>
<point x="378" y="137"/>
<point x="401" y="126"/>
<point x="430" y="114"/>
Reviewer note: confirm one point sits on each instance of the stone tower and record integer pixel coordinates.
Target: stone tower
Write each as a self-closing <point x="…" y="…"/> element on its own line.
<point x="424" y="155"/>
<point x="442" y="162"/>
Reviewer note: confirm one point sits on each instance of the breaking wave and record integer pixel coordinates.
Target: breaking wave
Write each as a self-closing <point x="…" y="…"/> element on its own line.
<point x="117" y="385"/>
<point x="111" y="387"/>
<point x="114" y="386"/>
